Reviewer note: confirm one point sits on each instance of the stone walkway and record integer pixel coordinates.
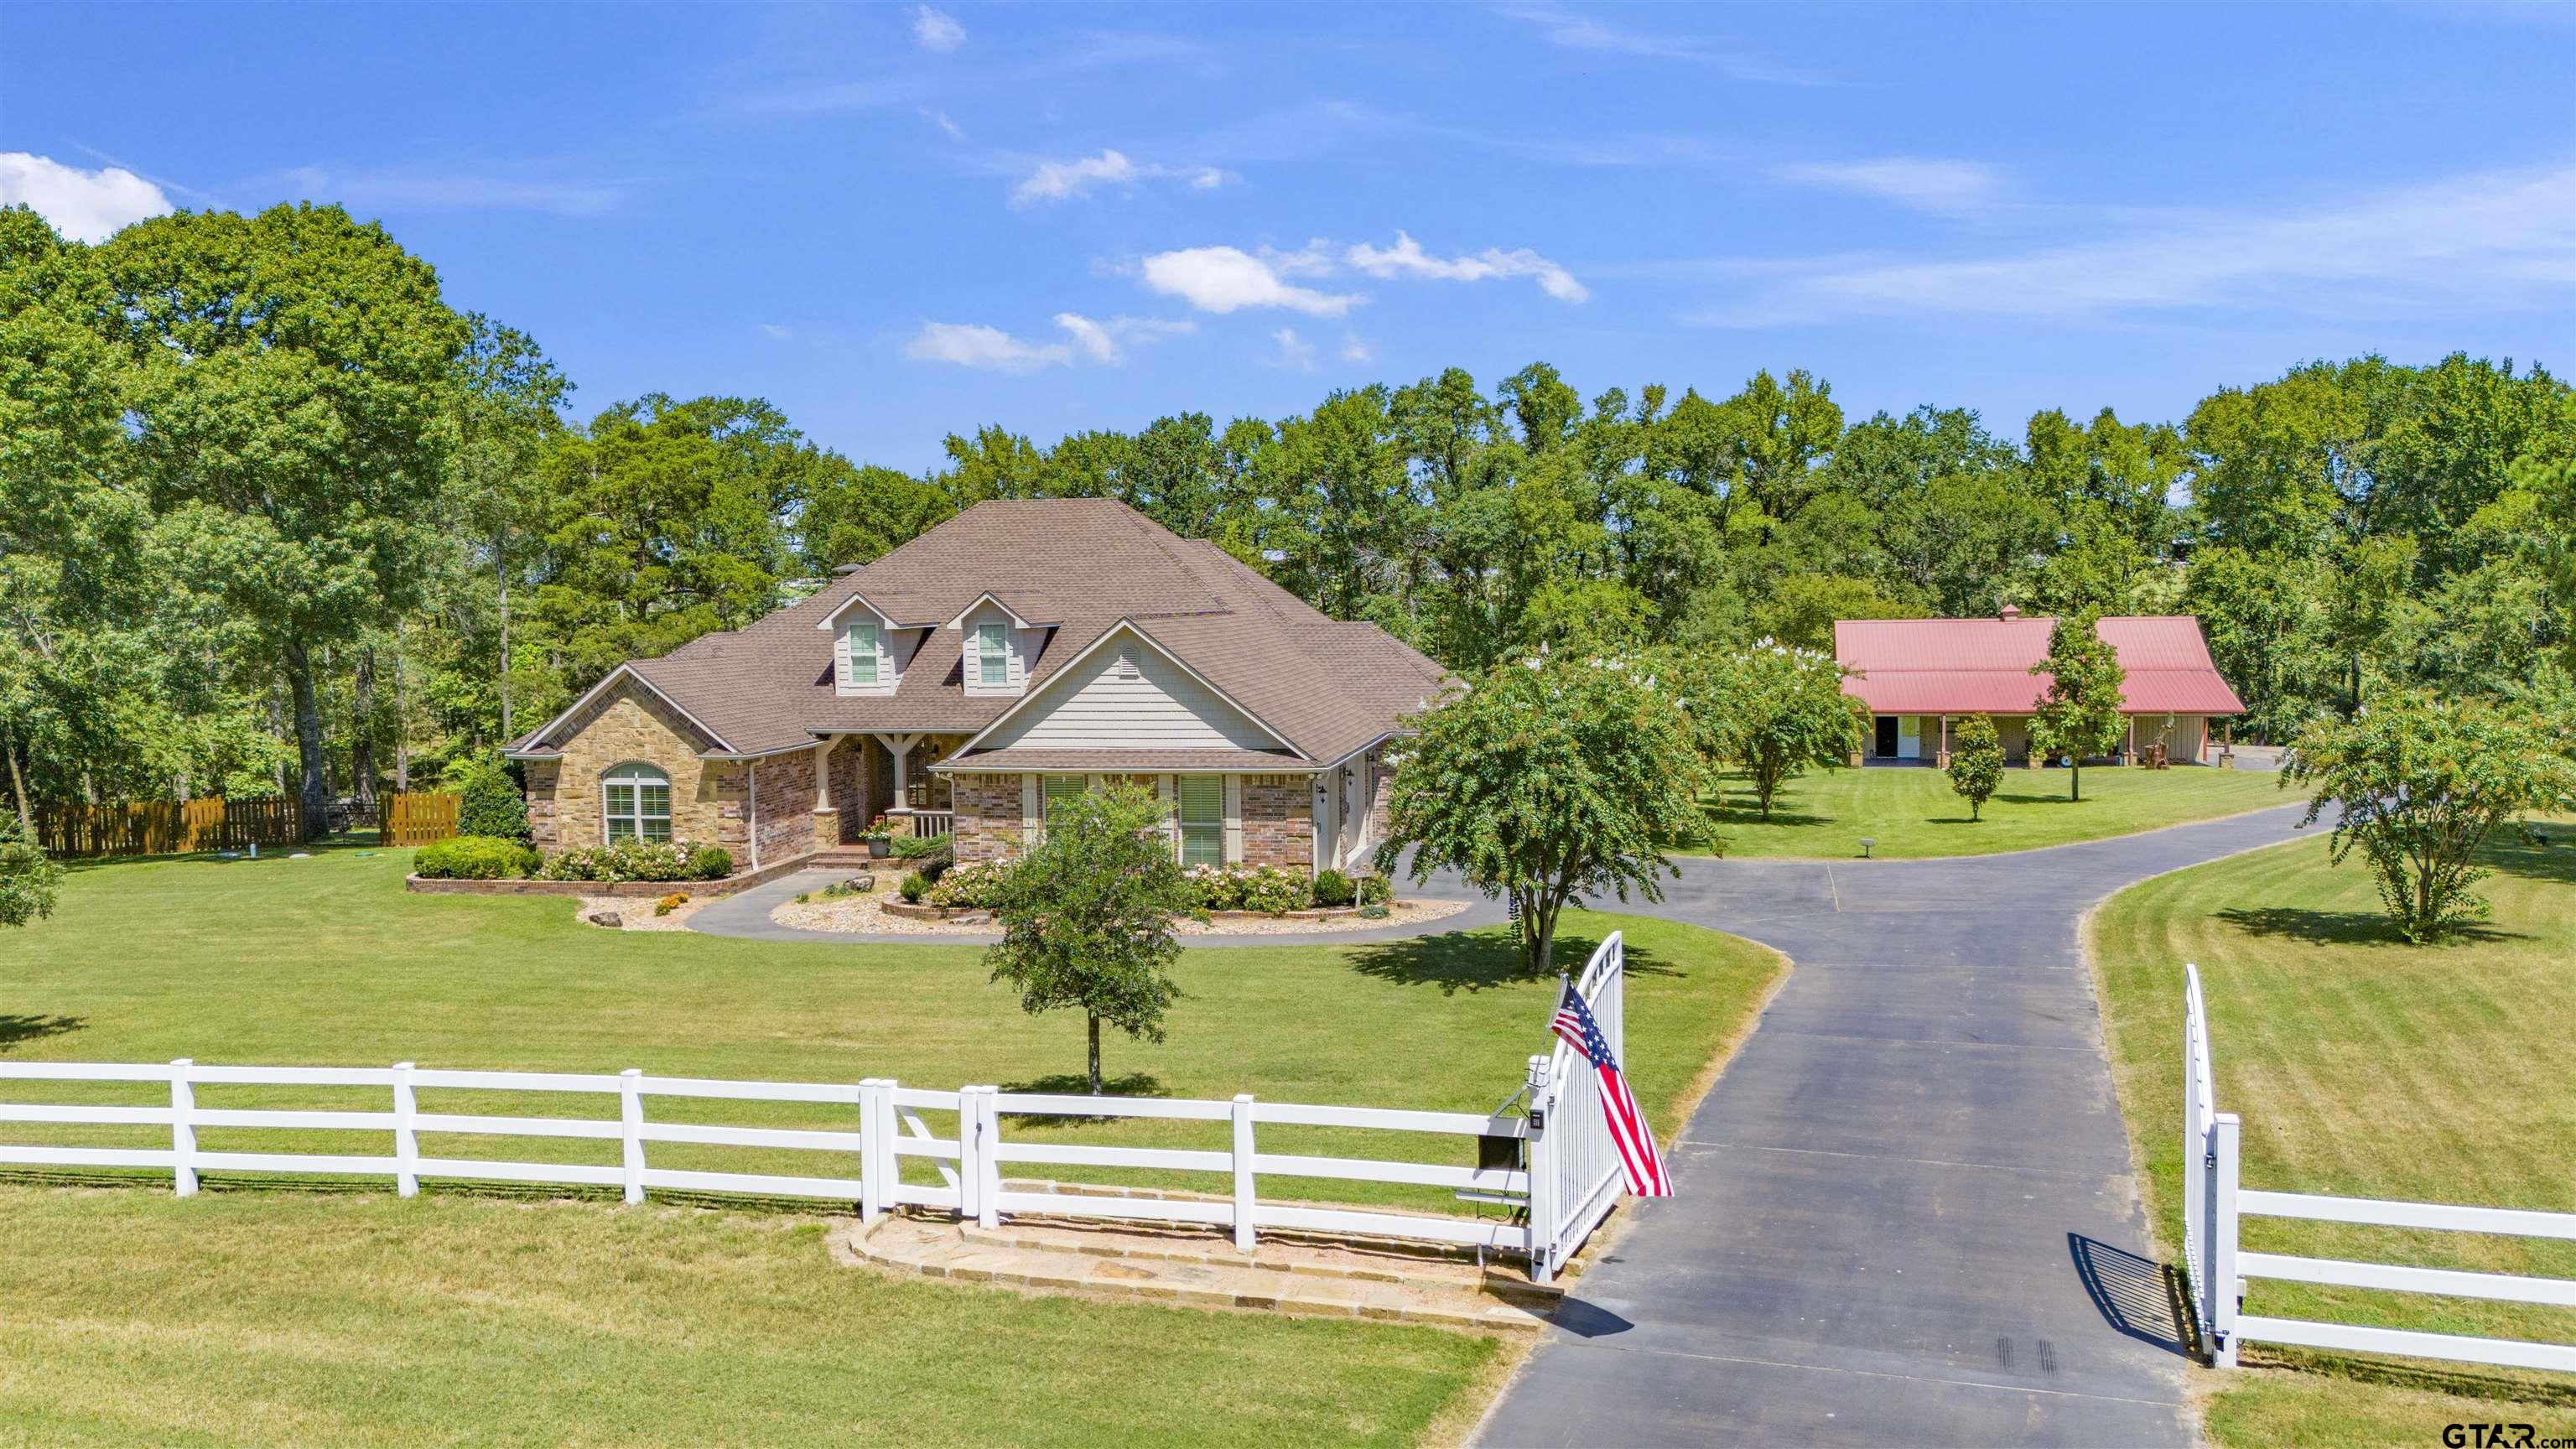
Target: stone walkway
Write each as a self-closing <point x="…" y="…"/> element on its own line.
<point x="1905" y="1213"/>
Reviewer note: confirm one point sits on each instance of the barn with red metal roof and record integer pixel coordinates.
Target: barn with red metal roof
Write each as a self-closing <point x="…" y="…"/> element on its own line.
<point x="1920" y="676"/>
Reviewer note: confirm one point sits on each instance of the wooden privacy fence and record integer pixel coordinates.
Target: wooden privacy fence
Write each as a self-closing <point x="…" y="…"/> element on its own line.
<point x="2214" y="1204"/>
<point x="419" y="817"/>
<point x="169" y="827"/>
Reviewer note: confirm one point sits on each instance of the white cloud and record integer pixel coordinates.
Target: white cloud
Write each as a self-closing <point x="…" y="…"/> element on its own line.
<point x="1223" y="279"/>
<point x="972" y="344"/>
<point x="86" y="206"/>
<point x="2492" y="240"/>
<point x="1928" y="183"/>
<point x="936" y="29"/>
<point x="1356" y="350"/>
<point x="774" y="332"/>
<point x="1568" y="31"/>
<point x="1407" y="259"/>
<point x="940" y="119"/>
<point x="1294" y="351"/>
<point x="1072" y="180"/>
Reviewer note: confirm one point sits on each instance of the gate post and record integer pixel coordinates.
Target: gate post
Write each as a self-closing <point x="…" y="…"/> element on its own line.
<point x="1543" y="1206"/>
<point x="2224" y="1286"/>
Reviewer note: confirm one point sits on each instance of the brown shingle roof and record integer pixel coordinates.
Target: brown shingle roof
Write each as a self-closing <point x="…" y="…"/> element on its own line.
<point x="1082" y="564"/>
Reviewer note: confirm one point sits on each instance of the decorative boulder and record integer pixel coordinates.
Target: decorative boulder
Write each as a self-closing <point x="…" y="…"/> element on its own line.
<point x="611" y="919"/>
<point x="862" y="883"/>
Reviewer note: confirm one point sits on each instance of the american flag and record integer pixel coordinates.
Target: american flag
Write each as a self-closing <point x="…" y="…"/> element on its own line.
<point x="1628" y="1130"/>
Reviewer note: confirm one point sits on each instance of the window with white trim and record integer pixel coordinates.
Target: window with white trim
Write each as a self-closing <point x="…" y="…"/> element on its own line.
<point x="992" y="655"/>
<point x="863" y="653"/>
<point x="635" y="804"/>
<point x="1202" y="817"/>
<point x="1052" y="788"/>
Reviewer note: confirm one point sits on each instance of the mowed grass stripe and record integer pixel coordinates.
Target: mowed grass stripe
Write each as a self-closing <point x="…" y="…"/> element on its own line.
<point x="1912" y="813"/>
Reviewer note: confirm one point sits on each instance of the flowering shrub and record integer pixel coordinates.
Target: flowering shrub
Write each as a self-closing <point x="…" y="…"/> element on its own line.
<point x="1265" y="888"/>
<point x="640" y="860"/>
<point x="975" y="885"/>
<point x="1376" y="890"/>
<point x="672" y="902"/>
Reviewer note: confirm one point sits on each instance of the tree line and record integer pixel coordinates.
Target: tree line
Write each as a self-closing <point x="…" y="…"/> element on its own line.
<point x="275" y="517"/>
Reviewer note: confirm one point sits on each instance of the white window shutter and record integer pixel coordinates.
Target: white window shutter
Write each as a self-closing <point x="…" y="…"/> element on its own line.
<point x="1031" y="810"/>
<point x="1234" y="819"/>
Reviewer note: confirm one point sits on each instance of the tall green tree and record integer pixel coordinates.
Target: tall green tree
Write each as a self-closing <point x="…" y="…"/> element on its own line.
<point x="1553" y="779"/>
<point x="1086" y="916"/>
<point x="293" y="415"/>
<point x="1783" y="711"/>
<point x="2079" y="712"/>
<point x="507" y="395"/>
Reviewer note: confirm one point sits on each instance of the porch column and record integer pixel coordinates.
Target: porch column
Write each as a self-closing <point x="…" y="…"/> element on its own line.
<point x="900" y="747"/>
<point x="827" y="817"/>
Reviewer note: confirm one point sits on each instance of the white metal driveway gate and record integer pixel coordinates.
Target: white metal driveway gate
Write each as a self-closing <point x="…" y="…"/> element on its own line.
<point x="1575" y="1177"/>
<point x="2214" y="1203"/>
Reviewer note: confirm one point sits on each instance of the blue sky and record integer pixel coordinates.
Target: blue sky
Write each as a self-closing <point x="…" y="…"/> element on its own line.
<point x="900" y="221"/>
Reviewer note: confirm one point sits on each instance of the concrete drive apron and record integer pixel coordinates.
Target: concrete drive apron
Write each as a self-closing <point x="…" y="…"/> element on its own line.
<point x="1905" y="1214"/>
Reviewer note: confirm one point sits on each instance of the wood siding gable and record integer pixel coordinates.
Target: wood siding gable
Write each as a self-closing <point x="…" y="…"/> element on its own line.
<point x="1129" y="695"/>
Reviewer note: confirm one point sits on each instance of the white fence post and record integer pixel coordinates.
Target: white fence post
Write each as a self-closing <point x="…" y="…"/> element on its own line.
<point x="876" y="1147"/>
<point x="988" y="1114"/>
<point x="406" y="1140"/>
<point x="1543" y="1207"/>
<point x="183" y="1129"/>
<point x="970" y="1167"/>
<point x="1243" y="1194"/>
<point x="630" y="1115"/>
<point x="2224" y="1286"/>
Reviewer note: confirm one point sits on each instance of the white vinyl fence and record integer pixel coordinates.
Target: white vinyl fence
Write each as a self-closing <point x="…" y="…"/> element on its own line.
<point x="1574" y="1164"/>
<point x="2214" y="1203"/>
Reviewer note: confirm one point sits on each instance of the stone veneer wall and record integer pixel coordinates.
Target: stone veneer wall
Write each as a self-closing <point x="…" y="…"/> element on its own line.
<point x="784" y="817"/>
<point x="631" y="724"/>
<point x="1279" y="820"/>
<point x="989" y="823"/>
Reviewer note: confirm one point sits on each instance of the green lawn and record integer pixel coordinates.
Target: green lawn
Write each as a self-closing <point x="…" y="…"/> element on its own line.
<point x="1912" y="813"/>
<point x="2368" y="1068"/>
<point x="339" y="1313"/>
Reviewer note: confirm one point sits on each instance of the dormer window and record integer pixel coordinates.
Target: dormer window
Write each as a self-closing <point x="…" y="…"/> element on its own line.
<point x="992" y="656"/>
<point x="863" y="653"/>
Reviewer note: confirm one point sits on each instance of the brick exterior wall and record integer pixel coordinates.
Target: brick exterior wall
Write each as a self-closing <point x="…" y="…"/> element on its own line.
<point x="631" y="724"/>
<point x="1279" y="821"/>
<point x="989" y="824"/>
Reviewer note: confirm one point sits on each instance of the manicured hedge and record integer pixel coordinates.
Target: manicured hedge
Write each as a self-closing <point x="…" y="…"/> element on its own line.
<point x="475" y="857"/>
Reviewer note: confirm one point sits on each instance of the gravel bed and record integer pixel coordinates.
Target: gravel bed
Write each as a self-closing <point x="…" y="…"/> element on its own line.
<point x="865" y="915"/>
<point x="638" y="913"/>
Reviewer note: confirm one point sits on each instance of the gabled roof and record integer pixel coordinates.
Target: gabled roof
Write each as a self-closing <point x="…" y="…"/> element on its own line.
<point x="1075" y="567"/>
<point x="1971" y="666"/>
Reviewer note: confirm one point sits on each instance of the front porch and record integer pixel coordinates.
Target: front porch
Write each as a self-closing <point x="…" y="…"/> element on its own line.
<point x="861" y="777"/>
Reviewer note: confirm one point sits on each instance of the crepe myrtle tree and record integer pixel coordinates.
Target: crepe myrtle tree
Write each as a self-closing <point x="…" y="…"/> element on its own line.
<point x="2079" y="714"/>
<point x="1551" y="779"/>
<point x="1977" y="764"/>
<point x="1781" y="709"/>
<point x="2420" y="782"/>
<point x="1086" y="916"/>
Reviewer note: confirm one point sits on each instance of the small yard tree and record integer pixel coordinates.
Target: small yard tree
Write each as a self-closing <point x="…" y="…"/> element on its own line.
<point x="1977" y="765"/>
<point x="2080" y="713"/>
<point x="1782" y="710"/>
<point x="1550" y="779"/>
<point x="27" y="876"/>
<point x="1087" y="914"/>
<point x="489" y="800"/>
<point x="2420" y="782"/>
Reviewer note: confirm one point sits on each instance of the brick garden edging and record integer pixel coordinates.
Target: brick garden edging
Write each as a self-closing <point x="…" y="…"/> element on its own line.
<point x="910" y="912"/>
<point x="626" y="890"/>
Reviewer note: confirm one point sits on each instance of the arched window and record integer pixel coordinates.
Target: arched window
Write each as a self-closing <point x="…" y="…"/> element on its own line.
<point x="635" y="804"/>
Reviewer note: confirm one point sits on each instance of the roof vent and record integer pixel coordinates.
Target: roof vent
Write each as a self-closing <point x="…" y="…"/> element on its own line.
<point x="2010" y="613"/>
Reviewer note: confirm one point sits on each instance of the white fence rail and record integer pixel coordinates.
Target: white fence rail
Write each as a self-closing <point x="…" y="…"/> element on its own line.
<point x="861" y="1159"/>
<point x="1574" y="1165"/>
<point x="2215" y="1204"/>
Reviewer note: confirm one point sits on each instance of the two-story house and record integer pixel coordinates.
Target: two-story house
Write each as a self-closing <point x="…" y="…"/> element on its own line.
<point x="1021" y="650"/>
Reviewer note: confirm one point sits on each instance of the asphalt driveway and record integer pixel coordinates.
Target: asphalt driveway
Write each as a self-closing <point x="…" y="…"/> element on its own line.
<point x="1905" y="1214"/>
